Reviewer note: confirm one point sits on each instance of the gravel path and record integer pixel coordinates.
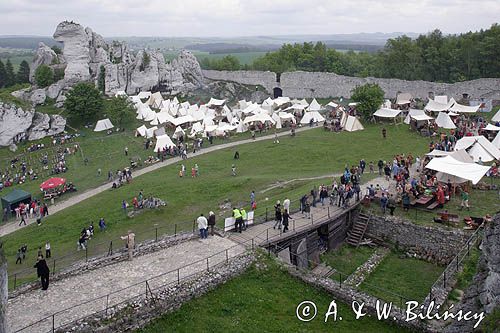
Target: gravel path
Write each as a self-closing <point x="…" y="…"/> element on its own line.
<point x="65" y="294"/>
<point x="10" y="227"/>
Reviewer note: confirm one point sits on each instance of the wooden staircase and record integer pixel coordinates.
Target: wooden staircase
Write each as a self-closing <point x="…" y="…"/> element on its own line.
<point x="355" y="235"/>
<point x="323" y="270"/>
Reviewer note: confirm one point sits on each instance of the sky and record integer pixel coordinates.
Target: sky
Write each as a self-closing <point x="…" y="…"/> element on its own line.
<point x="229" y="18"/>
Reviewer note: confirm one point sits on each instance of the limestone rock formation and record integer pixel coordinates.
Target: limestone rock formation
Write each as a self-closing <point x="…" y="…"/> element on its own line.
<point x="86" y="52"/>
<point x="44" y="55"/>
<point x="17" y="124"/>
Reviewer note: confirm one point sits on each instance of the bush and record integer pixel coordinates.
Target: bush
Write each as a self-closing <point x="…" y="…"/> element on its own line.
<point x="44" y="76"/>
<point x="84" y="102"/>
<point x="369" y="98"/>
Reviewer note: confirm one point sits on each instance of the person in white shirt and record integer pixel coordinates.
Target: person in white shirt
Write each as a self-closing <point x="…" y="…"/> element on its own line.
<point x="203" y="226"/>
<point x="286" y="204"/>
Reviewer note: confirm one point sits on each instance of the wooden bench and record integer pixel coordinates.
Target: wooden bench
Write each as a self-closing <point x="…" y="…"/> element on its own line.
<point x="433" y="205"/>
<point x="452" y="218"/>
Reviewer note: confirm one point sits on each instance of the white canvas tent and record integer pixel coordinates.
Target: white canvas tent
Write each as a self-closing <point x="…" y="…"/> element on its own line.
<point x="435" y="106"/>
<point x="353" y="124"/>
<point x="163" y="141"/>
<point x="411" y="113"/>
<point x="314" y="106"/>
<point x="144" y="94"/>
<point x="496" y="117"/>
<point x="403" y="98"/>
<point x="182" y="120"/>
<point x="150" y="132"/>
<point x="449" y="165"/>
<point x="496" y="141"/>
<point x="332" y="104"/>
<point x="491" y="127"/>
<point x="178" y="132"/>
<point x="314" y="115"/>
<point x="141" y="130"/>
<point x="159" y="131"/>
<point x="216" y="102"/>
<point x="438" y="153"/>
<point x="103" y="125"/>
<point x="479" y="147"/>
<point x="464" y="109"/>
<point x="443" y="99"/>
<point x="444" y="121"/>
<point x="261" y="117"/>
<point x="387" y="113"/>
<point x="421" y="117"/>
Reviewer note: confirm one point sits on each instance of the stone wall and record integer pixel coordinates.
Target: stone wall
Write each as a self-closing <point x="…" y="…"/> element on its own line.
<point x="141" y="310"/>
<point x="324" y="85"/>
<point x="264" y="79"/>
<point x="429" y="243"/>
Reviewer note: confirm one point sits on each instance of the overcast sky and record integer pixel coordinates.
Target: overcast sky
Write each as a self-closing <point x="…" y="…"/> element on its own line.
<point x="179" y="18"/>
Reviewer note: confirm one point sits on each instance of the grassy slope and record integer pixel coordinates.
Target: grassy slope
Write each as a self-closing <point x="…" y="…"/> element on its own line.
<point x="346" y="259"/>
<point x="408" y="277"/>
<point x="261" y="164"/>
<point x="262" y="300"/>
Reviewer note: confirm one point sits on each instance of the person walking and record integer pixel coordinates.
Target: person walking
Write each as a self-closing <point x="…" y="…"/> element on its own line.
<point x="47" y="250"/>
<point x="211" y="222"/>
<point x="23" y="221"/>
<point x="286" y="204"/>
<point x="102" y="224"/>
<point x="202" y="226"/>
<point x="233" y="170"/>
<point x="383" y="202"/>
<point x="129" y="243"/>
<point x="252" y="198"/>
<point x="24" y="249"/>
<point x="19" y="256"/>
<point x="124" y="206"/>
<point x="126" y="151"/>
<point x="42" y="271"/>
<point x="244" y="218"/>
<point x="465" y="200"/>
<point x="286" y="217"/>
<point x="277" y="215"/>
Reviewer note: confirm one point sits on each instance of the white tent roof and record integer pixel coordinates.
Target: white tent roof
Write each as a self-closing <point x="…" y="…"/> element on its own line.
<point x="421" y="117"/>
<point x="261" y="117"/>
<point x="163" y="141"/>
<point x="102" y="125"/>
<point x="438" y="153"/>
<point x="353" y="124"/>
<point x="280" y="101"/>
<point x="164" y="117"/>
<point x="251" y="108"/>
<point x="448" y="165"/>
<point x="150" y="132"/>
<point x="178" y="132"/>
<point x="464" y="109"/>
<point x="487" y="151"/>
<point x="353" y="104"/>
<point x="287" y="116"/>
<point x="491" y="127"/>
<point x="314" y="115"/>
<point x="411" y="113"/>
<point x="197" y="128"/>
<point x="435" y="106"/>
<point x="444" y="121"/>
<point x="216" y="102"/>
<point x="296" y="107"/>
<point x="314" y="106"/>
<point x="496" y="117"/>
<point x="182" y="120"/>
<point x="403" y="98"/>
<point x="142" y="130"/>
<point x="496" y="141"/>
<point x="144" y="94"/>
<point x="386" y="113"/>
<point x="333" y="104"/>
<point x="443" y="99"/>
<point x="159" y="131"/>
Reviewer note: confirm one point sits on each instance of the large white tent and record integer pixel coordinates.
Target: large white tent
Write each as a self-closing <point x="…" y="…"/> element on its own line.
<point x="141" y="130"/>
<point x="491" y="127"/>
<point x="314" y="106"/>
<point x="479" y="147"/>
<point x="103" y="125"/>
<point x="163" y="141"/>
<point x="216" y="102"/>
<point x="314" y="115"/>
<point x="411" y="113"/>
<point x="496" y="117"/>
<point x="387" y="113"/>
<point x="458" y="108"/>
<point x="144" y="94"/>
<point x="403" y="98"/>
<point x="496" y="141"/>
<point x="444" y="121"/>
<point x="353" y="124"/>
<point x="178" y="132"/>
<point x="436" y="106"/>
<point x="451" y="166"/>
<point x="150" y="132"/>
<point x="182" y="120"/>
<point x="261" y="117"/>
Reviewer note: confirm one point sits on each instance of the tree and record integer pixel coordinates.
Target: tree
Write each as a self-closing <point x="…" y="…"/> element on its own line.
<point x="84" y="101"/>
<point x="101" y="79"/>
<point x="56" y="49"/>
<point x="3" y="74"/>
<point x="369" y="98"/>
<point x="44" y="76"/>
<point x="10" y="77"/>
<point x="120" y="110"/>
<point x="23" y="73"/>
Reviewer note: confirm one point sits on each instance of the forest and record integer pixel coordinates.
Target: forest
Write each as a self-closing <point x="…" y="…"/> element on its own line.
<point x="430" y="57"/>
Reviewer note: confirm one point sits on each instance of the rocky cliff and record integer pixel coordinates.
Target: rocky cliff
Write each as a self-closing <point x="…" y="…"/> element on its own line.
<point x="483" y="293"/>
<point x="86" y="52"/>
<point x="17" y="124"/>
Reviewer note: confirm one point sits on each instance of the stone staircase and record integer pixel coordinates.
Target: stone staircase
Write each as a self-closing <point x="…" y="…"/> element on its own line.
<point x="323" y="270"/>
<point x="355" y="235"/>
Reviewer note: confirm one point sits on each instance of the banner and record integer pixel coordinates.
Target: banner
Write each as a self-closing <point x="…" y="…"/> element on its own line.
<point x="229" y="223"/>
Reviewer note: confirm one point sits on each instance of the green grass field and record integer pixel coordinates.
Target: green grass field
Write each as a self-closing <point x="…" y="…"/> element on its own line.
<point x="262" y="300"/>
<point x="411" y="278"/>
<point x="245" y="58"/>
<point x="346" y="259"/>
<point x="261" y="164"/>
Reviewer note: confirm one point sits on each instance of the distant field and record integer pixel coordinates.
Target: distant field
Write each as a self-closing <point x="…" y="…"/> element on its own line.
<point x="245" y="58"/>
<point x="16" y="60"/>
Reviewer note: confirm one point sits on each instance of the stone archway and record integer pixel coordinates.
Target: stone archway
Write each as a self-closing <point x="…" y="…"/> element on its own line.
<point x="277" y="92"/>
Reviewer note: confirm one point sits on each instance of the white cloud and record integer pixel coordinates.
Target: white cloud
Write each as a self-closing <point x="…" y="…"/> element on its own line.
<point x="246" y="17"/>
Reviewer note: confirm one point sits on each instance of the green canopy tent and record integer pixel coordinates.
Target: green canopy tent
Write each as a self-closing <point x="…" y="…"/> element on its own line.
<point x="14" y="198"/>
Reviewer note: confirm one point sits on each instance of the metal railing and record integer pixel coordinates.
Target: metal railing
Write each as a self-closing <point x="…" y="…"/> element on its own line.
<point x="145" y="288"/>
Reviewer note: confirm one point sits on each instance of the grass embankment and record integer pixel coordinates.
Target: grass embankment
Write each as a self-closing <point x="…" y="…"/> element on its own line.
<point x="263" y="299"/>
<point x="408" y="277"/>
<point x="261" y="164"/>
<point x="346" y="259"/>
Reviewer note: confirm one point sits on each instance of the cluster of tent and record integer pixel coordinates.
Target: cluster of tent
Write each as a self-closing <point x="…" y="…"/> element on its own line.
<point x="216" y="118"/>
